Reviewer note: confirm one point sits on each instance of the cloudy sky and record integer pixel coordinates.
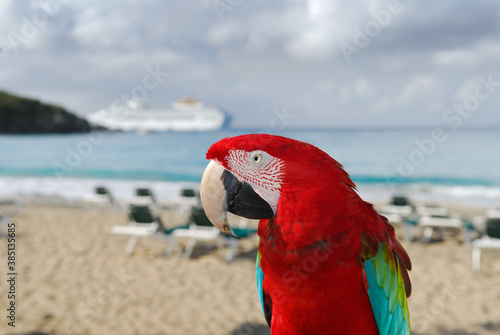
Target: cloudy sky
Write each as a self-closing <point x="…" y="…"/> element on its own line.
<point x="315" y="63"/>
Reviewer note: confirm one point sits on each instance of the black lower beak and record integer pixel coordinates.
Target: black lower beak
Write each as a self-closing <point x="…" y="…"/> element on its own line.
<point x="242" y="200"/>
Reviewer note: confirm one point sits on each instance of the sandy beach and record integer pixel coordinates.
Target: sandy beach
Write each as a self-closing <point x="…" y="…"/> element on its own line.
<point x="73" y="278"/>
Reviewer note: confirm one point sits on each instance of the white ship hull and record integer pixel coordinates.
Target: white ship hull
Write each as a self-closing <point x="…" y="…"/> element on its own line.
<point x="181" y="116"/>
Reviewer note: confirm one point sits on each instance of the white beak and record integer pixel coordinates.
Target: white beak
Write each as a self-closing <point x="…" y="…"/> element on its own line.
<point x="213" y="197"/>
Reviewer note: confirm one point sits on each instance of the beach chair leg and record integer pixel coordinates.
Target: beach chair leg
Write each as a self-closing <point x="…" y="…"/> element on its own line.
<point x="410" y="232"/>
<point x="220" y="243"/>
<point x="229" y="255"/>
<point x="171" y="247"/>
<point x="426" y="236"/>
<point x="189" y="248"/>
<point x="476" y="260"/>
<point x="441" y="234"/>
<point x="231" y="252"/>
<point x="468" y="235"/>
<point x="130" y="245"/>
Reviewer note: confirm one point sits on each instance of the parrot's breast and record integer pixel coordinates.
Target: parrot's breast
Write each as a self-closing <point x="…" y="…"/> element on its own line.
<point x="316" y="291"/>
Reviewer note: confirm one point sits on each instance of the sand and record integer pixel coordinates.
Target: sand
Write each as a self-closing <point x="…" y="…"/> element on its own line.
<point x="73" y="278"/>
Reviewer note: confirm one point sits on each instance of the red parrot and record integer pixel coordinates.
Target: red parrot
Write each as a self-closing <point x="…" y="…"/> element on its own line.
<point x="327" y="262"/>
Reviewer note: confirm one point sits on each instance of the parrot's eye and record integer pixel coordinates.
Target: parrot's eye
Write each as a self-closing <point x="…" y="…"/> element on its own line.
<point x="256" y="158"/>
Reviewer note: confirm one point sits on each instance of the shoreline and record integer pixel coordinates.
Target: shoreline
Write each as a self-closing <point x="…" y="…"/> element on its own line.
<point x="76" y="190"/>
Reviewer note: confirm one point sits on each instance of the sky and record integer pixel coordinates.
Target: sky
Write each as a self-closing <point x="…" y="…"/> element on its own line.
<point x="310" y="63"/>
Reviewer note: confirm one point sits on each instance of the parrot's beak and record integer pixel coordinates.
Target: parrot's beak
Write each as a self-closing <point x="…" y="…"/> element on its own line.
<point x="213" y="197"/>
<point x="222" y="192"/>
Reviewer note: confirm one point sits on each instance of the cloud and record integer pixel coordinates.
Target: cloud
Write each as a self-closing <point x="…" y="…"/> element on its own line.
<point x="258" y="56"/>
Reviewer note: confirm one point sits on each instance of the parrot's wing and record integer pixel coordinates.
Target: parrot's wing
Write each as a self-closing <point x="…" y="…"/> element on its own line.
<point x="265" y="299"/>
<point x="388" y="286"/>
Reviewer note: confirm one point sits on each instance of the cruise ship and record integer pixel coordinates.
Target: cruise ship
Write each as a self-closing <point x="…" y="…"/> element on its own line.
<point x="187" y="114"/>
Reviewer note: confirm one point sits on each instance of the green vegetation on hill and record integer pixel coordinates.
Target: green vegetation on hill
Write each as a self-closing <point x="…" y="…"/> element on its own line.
<point x="28" y="116"/>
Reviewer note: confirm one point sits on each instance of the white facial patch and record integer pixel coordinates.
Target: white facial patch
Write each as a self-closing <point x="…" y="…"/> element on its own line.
<point x="263" y="171"/>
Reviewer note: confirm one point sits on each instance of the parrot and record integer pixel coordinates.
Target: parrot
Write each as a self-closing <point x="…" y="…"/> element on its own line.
<point x="327" y="262"/>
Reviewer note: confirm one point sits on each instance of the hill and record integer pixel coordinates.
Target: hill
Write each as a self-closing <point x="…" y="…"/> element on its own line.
<point x="19" y="115"/>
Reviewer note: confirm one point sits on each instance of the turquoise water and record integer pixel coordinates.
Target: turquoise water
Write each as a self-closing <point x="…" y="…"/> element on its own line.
<point x="461" y="162"/>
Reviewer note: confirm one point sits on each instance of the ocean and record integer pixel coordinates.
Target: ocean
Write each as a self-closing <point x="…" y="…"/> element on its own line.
<point x="460" y="166"/>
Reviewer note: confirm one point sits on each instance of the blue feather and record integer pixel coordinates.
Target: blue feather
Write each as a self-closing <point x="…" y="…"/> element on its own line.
<point x="259" y="276"/>
<point x="387" y="295"/>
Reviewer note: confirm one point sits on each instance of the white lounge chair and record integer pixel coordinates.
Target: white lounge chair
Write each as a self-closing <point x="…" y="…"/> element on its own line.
<point x="202" y="230"/>
<point x="143" y="196"/>
<point x="143" y="223"/>
<point x="490" y="241"/>
<point x="398" y="209"/>
<point x="480" y="221"/>
<point x="431" y="223"/>
<point x="182" y="204"/>
<point x="101" y="197"/>
<point x="145" y="193"/>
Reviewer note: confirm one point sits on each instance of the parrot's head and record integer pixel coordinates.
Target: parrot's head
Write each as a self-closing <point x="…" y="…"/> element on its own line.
<point x="265" y="176"/>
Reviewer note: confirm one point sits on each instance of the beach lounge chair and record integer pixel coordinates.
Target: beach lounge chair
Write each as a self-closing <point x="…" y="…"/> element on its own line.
<point x="188" y="193"/>
<point x="479" y="222"/>
<point x="490" y="241"/>
<point x="202" y="230"/>
<point x="145" y="194"/>
<point x="101" y="196"/>
<point x="426" y="211"/>
<point x="189" y="198"/>
<point x="442" y="223"/>
<point x="182" y="204"/>
<point x="143" y="222"/>
<point x="398" y="209"/>
<point x="104" y="193"/>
